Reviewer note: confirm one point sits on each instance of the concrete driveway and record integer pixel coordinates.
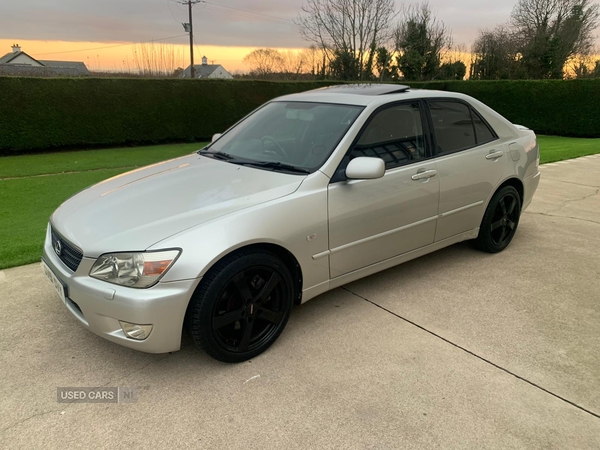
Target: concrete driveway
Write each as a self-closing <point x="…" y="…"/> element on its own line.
<point x="458" y="349"/>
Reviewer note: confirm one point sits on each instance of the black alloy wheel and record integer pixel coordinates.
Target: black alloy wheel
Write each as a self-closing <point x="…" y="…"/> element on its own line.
<point x="500" y="221"/>
<point x="242" y="306"/>
<point x="504" y="220"/>
<point x="249" y="311"/>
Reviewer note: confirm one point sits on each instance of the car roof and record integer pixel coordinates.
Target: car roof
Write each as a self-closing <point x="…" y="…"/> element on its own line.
<point x="365" y="94"/>
<point x="364" y="89"/>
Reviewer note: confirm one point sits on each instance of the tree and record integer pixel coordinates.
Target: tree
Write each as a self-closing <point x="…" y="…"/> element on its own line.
<point x="495" y="56"/>
<point x="453" y="71"/>
<point x="420" y="41"/>
<point x="316" y="61"/>
<point x="596" y="70"/>
<point x="586" y="67"/>
<point x="384" y="64"/>
<point x="155" y="59"/>
<point x="348" y="31"/>
<point x="344" y="66"/>
<point x="549" y="32"/>
<point x="263" y="62"/>
<point x="293" y="63"/>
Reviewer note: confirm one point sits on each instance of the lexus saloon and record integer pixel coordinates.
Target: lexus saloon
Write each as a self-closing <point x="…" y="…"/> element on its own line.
<point x="307" y="193"/>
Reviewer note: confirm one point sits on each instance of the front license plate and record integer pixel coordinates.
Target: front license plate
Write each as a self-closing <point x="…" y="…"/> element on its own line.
<point x="58" y="285"/>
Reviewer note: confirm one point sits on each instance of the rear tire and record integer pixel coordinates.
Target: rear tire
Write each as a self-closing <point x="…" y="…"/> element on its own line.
<point x="500" y="221"/>
<point x="241" y="306"/>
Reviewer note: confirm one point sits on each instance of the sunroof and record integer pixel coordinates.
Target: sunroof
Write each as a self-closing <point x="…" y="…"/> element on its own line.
<point x="365" y="89"/>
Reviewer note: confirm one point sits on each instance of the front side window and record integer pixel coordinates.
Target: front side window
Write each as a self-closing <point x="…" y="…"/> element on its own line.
<point x="395" y="135"/>
<point x="301" y="135"/>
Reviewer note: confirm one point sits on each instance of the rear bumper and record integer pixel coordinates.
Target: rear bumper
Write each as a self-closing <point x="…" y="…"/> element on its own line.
<point x="530" y="185"/>
<point x="89" y="301"/>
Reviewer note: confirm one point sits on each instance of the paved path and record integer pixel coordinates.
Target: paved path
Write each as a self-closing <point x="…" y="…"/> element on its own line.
<point x="458" y="349"/>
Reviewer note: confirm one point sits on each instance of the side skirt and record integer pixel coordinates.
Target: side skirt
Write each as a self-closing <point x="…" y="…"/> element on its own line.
<point x="319" y="289"/>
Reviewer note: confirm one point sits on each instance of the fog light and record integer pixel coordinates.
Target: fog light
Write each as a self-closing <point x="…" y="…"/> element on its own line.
<point x="135" y="331"/>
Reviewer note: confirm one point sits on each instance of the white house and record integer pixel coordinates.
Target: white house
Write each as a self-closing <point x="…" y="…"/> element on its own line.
<point x="20" y="63"/>
<point x="206" y="70"/>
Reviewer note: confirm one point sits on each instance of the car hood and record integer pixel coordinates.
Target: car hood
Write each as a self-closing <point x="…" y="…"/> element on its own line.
<point x="134" y="210"/>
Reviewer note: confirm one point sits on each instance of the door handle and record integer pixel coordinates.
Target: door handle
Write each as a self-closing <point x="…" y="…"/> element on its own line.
<point x="424" y="175"/>
<point x="494" y="155"/>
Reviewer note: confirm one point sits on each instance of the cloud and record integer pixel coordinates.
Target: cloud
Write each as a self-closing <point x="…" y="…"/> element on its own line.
<point x="218" y="22"/>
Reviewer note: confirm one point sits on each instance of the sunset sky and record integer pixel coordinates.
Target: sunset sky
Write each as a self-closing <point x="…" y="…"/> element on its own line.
<point x="102" y="33"/>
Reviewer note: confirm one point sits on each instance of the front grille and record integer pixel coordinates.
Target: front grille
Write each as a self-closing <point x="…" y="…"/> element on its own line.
<point x="69" y="254"/>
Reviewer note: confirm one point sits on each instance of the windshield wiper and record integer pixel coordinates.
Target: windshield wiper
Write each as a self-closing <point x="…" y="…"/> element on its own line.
<point x="275" y="165"/>
<point x="217" y="155"/>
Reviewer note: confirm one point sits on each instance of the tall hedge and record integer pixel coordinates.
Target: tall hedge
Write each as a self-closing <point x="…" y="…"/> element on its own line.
<point x="40" y="114"/>
<point x="45" y="113"/>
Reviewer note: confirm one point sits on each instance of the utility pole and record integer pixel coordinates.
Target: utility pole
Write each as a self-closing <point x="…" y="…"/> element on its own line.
<point x="189" y="28"/>
<point x="192" y="68"/>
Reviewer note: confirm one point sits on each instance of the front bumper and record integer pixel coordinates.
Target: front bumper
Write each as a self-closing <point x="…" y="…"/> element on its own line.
<point x="99" y="306"/>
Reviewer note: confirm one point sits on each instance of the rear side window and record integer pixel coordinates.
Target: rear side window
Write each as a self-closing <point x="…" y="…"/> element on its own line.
<point x="453" y="126"/>
<point x="483" y="133"/>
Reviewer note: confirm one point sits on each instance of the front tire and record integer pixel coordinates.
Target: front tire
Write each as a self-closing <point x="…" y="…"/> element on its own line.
<point x="241" y="306"/>
<point x="500" y="221"/>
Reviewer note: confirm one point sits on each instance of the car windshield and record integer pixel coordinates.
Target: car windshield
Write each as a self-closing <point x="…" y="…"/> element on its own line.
<point x="289" y="136"/>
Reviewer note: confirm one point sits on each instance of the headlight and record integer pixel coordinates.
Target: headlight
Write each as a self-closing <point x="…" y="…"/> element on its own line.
<point x="137" y="270"/>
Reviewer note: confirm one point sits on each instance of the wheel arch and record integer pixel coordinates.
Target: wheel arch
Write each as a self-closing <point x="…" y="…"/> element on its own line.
<point x="514" y="182"/>
<point x="286" y="256"/>
<point x="482" y="242"/>
<point x="281" y="252"/>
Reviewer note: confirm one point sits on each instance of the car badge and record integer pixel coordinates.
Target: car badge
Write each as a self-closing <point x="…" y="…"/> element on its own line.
<point x="58" y="248"/>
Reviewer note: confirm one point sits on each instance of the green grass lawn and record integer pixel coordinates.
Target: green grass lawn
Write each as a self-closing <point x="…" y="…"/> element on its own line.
<point x="27" y="199"/>
<point x="554" y="148"/>
<point x="79" y="161"/>
<point x="26" y="205"/>
<point x="33" y="186"/>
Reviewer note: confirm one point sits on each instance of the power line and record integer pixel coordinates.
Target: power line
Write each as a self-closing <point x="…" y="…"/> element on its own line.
<point x="196" y="46"/>
<point x="110" y="46"/>
<point x="172" y="15"/>
<point x="246" y="15"/>
<point x="238" y="11"/>
<point x="253" y="13"/>
<point x="230" y="10"/>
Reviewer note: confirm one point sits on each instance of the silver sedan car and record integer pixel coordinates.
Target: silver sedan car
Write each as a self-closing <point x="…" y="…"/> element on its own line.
<point x="307" y="193"/>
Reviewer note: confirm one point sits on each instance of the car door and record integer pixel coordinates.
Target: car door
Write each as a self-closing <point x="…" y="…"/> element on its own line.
<point x="374" y="220"/>
<point x="470" y="162"/>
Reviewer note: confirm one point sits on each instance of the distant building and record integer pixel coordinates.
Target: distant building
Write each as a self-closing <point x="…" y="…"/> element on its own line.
<point x="206" y="70"/>
<point x="20" y="63"/>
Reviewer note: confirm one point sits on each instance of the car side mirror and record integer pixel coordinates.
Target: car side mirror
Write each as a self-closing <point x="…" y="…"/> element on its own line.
<point x="216" y="136"/>
<point x="365" y="168"/>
